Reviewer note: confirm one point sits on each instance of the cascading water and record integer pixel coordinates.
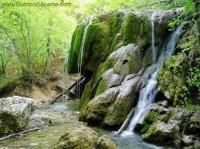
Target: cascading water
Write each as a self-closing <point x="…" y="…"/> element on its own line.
<point x="83" y="43"/>
<point x="82" y="49"/>
<point x="148" y="93"/>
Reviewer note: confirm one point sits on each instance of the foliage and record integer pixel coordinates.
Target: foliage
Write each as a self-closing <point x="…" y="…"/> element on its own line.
<point x="31" y="38"/>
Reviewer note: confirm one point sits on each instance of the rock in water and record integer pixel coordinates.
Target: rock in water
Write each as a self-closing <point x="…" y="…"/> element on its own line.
<point x="105" y="143"/>
<point x="82" y="137"/>
<point x="175" y="127"/>
<point x="14" y="113"/>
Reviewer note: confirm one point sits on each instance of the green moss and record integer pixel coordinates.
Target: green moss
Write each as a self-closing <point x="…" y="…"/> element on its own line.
<point x="97" y="45"/>
<point x="75" y="48"/>
<point x="149" y="120"/>
<point x="128" y="30"/>
<point x="101" y="87"/>
<point x="166" y="117"/>
<point x="44" y="139"/>
<point x="8" y="124"/>
<point x="135" y="62"/>
<point x="91" y="88"/>
<point x="107" y="33"/>
<point x="151" y="132"/>
<point x="84" y="100"/>
<point x="109" y="63"/>
<point x="116" y="23"/>
<point x="117" y="113"/>
<point x="171" y="77"/>
<point x="135" y="29"/>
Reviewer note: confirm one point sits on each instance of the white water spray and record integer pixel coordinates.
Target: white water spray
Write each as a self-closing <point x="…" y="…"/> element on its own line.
<point x="148" y="93"/>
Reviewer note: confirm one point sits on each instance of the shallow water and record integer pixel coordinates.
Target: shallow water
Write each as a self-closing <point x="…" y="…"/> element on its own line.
<point x="69" y="105"/>
<point x="48" y="137"/>
<point x="133" y="142"/>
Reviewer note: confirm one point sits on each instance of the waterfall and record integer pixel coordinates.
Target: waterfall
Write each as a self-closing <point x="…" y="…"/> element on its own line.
<point x="83" y="43"/>
<point x="82" y="48"/>
<point x="148" y="93"/>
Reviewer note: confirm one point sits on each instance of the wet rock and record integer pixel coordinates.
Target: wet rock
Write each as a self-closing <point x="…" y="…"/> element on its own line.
<point x="109" y="80"/>
<point x="170" y="83"/>
<point x="188" y="140"/>
<point x="14" y="113"/>
<point x="78" y="137"/>
<point x="116" y="89"/>
<point x="163" y="132"/>
<point x="104" y="142"/>
<point x="45" y="118"/>
<point x="125" y="100"/>
<point x="176" y="126"/>
<point x="111" y="107"/>
<point x="97" y="107"/>
<point x="163" y="103"/>
<point x="113" y="30"/>
<point x="82" y="137"/>
<point x="130" y="61"/>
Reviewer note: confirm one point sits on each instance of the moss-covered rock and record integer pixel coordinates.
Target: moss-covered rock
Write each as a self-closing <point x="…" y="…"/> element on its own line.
<point x="171" y="77"/>
<point x="110" y="31"/>
<point x="97" y="107"/>
<point x="117" y="47"/>
<point x="82" y="137"/>
<point x="105" y="143"/>
<point x="102" y="104"/>
<point x="148" y="121"/>
<point x="125" y="100"/>
<point x="169" y="127"/>
<point x="78" y="137"/>
<point x="135" y="29"/>
<point x="161" y="132"/>
<point x="14" y="114"/>
<point x="111" y="107"/>
<point x="75" y="49"/>
<point x="130" y="61"/>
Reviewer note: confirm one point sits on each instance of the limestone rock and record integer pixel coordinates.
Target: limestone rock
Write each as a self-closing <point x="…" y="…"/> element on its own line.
<point x="14" y="113"/>
<point x="105" y="143"/>
<point x="78" y="137"/>
<point x="82" y="137"/>
<point x="163" y="132"/>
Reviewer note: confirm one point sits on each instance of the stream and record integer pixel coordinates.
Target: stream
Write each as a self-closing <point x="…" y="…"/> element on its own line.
<point x="56" y="118"/>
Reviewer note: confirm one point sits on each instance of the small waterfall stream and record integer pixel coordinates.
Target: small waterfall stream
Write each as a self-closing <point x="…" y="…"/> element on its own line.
<point x="82" y="49"/>
<point x="83" y="43"/>
<point x="148" y="93"/>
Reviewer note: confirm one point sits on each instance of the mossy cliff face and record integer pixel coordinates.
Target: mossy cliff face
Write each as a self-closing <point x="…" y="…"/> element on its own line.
<point x="179" y="76"/>
<point x="75" y="48"/>
<point x="97" y="44"/>
<point x="171" y="77"/>
<point x="110" y="31"/>
<point x="116" y="79"/>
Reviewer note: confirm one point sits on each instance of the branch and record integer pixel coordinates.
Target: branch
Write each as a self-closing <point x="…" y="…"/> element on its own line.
<point x="20" y="133"/>
<point x="126" y="122"/>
